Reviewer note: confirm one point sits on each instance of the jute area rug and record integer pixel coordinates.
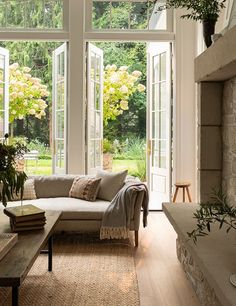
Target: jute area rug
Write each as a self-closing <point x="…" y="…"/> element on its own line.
<point x="86" y="271"/>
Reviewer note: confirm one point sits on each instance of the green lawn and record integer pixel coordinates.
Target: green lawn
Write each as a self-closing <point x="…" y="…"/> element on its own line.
<point x="41" y="167"/>
<point x="44" y="167"/>
<point x="119" y="165"/>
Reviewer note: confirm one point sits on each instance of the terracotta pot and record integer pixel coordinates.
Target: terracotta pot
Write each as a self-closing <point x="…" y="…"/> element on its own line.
<point x="20" y="165"/>
<point x="107" y="161"/>
<point x="208" y="30"/>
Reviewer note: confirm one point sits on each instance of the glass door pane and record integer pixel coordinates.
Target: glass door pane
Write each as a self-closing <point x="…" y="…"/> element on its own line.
<point x="159" y="123"/>
<point x="4" y="92"/>
<point x="59" y="109"/>
<point x="95" y="108"/>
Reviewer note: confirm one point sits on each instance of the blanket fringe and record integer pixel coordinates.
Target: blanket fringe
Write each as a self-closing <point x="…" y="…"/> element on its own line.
<point x="114" y="232"/>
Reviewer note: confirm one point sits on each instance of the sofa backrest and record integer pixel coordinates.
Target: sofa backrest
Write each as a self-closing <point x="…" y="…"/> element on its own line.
<point x="53" y="186"/>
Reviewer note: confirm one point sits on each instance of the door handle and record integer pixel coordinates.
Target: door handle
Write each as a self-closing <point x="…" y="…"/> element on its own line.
<point x="149" y="147"/>
<point x="54" y="147"/>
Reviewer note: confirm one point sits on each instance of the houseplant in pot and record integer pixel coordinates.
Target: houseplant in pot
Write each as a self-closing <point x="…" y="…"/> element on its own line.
<point x="206" y="11"/>
<point x="11" y="184"/>
<point x="108" y="151"/>
<point x="216" y="212"/>
<point x="11" y="180"/>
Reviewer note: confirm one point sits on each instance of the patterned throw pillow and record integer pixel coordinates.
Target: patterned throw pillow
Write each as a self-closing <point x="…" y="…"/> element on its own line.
<point x="85" y="188"/>
<point x="29" y="191"/>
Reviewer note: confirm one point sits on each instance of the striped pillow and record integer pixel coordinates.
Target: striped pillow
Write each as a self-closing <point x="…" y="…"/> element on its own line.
<point x="85" y="188"/>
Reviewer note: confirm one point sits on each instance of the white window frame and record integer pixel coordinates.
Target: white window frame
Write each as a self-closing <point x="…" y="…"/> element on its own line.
<point x="89" y="29"/>
<point x="74" y="32"/>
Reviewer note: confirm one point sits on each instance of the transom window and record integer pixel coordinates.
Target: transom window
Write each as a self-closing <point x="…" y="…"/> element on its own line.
<point x="31" y="14"/>
<point x="128" y="15"/>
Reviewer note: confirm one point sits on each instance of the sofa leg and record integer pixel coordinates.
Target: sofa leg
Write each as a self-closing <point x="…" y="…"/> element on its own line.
<point x="136" y="238"/>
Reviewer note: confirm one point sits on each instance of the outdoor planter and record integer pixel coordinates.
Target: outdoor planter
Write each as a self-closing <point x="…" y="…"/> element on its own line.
<point x="107" y="161"/>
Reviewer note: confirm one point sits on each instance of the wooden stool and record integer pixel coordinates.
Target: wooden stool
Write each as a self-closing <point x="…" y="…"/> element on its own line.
<point x="184" y="186"/>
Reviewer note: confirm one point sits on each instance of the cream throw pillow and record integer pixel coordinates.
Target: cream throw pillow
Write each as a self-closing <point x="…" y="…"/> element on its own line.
<point x="29" y="191"/>
<point x="85" y="188"/>
<point x="110" y="184"/>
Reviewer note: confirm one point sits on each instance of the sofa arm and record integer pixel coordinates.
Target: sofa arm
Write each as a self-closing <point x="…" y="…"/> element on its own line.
<point x="137" y="209"/>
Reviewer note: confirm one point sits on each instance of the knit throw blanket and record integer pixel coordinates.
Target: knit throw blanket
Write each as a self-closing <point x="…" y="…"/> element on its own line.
<point x="116" y="219"/>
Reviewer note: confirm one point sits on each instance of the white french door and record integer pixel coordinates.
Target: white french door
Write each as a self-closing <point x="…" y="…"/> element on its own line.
<point x="159" y="123"/>
<point x="59" y="108"/>
<point x="94" y="133"/>
<point x="4" y="92"/>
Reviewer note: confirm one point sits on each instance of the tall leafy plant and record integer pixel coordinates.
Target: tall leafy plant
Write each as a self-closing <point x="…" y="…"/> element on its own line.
<point x="11" y="180"/>
<point x="199" y="9"/>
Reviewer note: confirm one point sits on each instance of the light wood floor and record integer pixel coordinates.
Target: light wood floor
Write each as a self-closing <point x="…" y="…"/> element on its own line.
<point x="161" y="279"/>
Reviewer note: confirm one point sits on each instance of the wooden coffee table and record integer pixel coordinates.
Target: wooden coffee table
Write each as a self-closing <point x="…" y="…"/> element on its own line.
<point x="15" y="266"/>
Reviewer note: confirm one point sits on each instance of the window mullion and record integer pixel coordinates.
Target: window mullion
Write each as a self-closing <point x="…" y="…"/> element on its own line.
<point x="129" y="21"/>
<point x="110" y="14"/>
<point x="6" y="12"/>
<point x="43" y="4"/>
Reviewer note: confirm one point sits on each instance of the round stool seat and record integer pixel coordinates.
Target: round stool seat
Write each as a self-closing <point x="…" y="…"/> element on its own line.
<point x="185" y="187"/>
<point x="182" y="184"/>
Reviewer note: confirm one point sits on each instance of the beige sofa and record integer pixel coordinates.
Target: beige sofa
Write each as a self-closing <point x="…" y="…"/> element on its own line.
<point x="78" y="215"/>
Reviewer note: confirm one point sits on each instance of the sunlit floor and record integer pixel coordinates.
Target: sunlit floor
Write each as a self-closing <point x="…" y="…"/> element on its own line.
<point x="154" y="204"/>
<point x="162" y="281"/>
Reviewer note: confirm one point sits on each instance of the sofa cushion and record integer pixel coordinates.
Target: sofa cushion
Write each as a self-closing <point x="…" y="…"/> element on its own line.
<point x="110" y="184"/>
<point x="53" y="186"/>
<point x="85" y="188"/>
<point x="72" y="209"/>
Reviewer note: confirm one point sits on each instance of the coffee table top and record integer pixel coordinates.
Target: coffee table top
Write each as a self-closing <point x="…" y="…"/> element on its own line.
<point x="18" y="261"/>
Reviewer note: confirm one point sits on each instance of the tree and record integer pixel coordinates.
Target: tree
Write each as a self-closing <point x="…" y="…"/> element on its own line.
<point x="119" y="85"/>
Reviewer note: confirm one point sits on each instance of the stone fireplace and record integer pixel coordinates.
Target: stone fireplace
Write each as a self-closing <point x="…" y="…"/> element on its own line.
<point x="215" y="73"/>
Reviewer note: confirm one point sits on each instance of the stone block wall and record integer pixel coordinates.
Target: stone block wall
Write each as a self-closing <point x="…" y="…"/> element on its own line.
<point x="209" y="138"/>
<point x="203" y="290"/>
<point x="229" y="140"/>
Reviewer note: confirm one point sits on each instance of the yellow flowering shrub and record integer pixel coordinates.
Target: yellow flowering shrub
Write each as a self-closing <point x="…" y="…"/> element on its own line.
<point x="119" y="85"/>
<point x="26" y="94"/>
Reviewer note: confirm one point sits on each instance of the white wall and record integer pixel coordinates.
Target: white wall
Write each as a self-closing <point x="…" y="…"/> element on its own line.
<point x="77" y="89"/>
<point x="185" y="148"/>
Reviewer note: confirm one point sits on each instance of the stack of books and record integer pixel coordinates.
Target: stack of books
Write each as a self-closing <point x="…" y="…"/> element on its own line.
<point x="25" y="218"/>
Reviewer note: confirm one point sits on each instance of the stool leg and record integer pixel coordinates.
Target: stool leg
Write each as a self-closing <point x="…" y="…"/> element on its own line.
<point x="184" y="194"/>
<point x="175" y="195"/>
<point x="189" y="196"/>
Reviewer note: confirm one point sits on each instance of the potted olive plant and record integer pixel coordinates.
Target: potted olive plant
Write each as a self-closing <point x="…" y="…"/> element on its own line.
<point x="11" y="180"/>
<point x="206" y="11"/>
<point x="218" y="211"/>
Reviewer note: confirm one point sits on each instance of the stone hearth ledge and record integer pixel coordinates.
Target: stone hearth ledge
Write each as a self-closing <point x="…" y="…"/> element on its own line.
<point x="214" y="256"/>
<point x="218" y="63"/>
